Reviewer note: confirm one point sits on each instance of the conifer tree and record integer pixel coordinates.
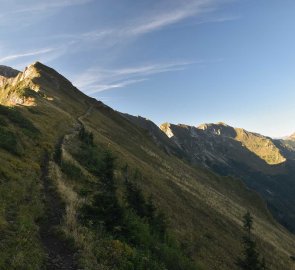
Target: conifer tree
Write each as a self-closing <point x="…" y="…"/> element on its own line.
<point x="251" y="258"/>
<point x="105" y="209"/>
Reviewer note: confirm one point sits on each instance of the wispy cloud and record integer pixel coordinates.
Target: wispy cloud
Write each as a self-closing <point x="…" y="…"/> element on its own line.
<point x="151" y="22"/>
<point x="100" y="79"/>
<point x="103" y="87"/>
<point x="25" y="54"/>
<point x="25" y="13"/>
<point x="159" y="21"/>
<point x="142" y="24"/>
<point x="147" y="22"/>
<point x="40" y="6"/>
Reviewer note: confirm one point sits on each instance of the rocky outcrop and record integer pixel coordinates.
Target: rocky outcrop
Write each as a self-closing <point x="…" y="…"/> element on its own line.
<point x="6" y="74"/>
<point x="261" y="146"/>
<point x="219" y="144"/>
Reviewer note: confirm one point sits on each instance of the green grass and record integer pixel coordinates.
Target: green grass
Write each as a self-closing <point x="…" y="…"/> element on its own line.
<point x="17" y="119"/>
<point x="20" y="207"/>
<point x="135" y="238"/>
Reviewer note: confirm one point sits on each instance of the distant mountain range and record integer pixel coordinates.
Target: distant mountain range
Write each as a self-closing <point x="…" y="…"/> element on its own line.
<point x="59" y="149"/>
<point x="266" y="165"/>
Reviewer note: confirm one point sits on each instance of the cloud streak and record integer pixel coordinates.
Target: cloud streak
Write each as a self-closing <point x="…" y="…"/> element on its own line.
<point x="99" y="79"/>
<point x="148" y="23"/>
<point x="165" y="19"/>
<point x="43" y="6"/>
<point x="103" y="87"/>
<point x="25" y="13"/>
<point x="17" y="56"/>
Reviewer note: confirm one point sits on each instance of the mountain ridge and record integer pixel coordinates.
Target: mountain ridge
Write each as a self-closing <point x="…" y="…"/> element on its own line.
<point x="205" y="210"/>
<point x="222" y="132"/>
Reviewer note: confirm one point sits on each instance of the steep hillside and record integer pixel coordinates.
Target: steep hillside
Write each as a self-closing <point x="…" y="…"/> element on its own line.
<point x="56" y="173"/>
<point x="265" y="165"/>
<point x="158" y="136"/>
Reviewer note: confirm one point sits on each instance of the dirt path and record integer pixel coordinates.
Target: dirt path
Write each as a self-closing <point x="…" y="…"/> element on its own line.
<point x="80" y="118"/>
<point x="60" y="256"/>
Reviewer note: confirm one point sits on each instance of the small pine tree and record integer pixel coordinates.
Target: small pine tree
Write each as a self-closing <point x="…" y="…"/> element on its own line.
<point x="105" y="209"/>
<point x="107" y="172"/>
<point x="251" y="259"/>
<point x="145" y="209"/>
<point x="135" y="199"/>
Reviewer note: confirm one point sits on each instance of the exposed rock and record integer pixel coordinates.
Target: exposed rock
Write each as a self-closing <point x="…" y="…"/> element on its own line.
<point x="220" y="143"/>
<point x="8" y="72"/>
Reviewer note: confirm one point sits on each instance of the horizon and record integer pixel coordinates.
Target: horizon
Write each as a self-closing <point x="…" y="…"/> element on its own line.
<point x="148" y="60"/>
<point x="193" y="125"/>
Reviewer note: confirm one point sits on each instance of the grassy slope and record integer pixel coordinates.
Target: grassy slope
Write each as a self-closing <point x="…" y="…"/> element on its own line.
<point x="204" y="210"/>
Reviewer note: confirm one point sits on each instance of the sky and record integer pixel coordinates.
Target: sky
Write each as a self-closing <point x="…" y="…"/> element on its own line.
<point x="177" y="61"/>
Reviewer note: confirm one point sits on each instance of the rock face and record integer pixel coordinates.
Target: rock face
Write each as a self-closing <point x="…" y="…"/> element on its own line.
<point x="259" y="145"/>
<point x="219" y="143"/>
<point x="37" y="80"/>
<point x="21" y="83"/>
<point x="8" y="72"/>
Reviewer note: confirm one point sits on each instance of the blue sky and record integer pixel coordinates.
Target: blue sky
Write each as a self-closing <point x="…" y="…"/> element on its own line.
<point x="179" y="61"/>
